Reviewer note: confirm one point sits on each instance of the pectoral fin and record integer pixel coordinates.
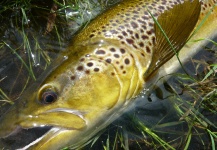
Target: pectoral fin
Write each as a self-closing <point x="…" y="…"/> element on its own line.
<point x="172" y="30"/>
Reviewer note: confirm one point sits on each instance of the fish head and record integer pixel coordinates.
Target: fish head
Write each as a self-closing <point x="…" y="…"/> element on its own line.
<point x="70" y="99"/>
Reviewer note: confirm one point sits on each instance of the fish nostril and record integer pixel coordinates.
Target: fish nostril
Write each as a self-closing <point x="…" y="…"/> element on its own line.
<point x="23" y="103"/>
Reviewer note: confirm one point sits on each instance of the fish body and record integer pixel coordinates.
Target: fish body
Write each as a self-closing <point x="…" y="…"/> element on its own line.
<point x="106" y="66"/>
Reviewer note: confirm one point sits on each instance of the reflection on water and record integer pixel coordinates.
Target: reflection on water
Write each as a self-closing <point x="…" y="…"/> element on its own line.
<point x="165" y="115"/>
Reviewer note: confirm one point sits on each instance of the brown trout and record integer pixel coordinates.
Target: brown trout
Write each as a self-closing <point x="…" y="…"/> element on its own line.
<point x="106" y="66"/>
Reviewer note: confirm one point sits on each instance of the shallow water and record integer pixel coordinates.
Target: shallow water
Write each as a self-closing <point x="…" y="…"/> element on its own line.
<point x="159" y="109"/>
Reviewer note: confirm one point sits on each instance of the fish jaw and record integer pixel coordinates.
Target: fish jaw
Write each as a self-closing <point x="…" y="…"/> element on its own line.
<point x="25" y="115"/>
<point x="17" y="126"/>
<point x="60" y="132"/>
<point x="74" y="139"/>
<point x="59" y="117"/>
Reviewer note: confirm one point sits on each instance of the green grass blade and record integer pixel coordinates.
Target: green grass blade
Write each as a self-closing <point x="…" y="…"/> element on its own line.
<point x="20" y="58"/>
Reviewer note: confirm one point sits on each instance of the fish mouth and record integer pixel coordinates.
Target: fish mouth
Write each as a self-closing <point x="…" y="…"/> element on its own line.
<point x="32" y="129"/>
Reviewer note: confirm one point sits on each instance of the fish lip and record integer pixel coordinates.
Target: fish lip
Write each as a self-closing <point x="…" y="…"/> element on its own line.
<point x="19" y="130"/>
<point x="67" y="110"/>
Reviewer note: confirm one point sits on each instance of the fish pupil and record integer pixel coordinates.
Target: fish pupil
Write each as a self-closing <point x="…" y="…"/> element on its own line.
<point x="49" y="97"/>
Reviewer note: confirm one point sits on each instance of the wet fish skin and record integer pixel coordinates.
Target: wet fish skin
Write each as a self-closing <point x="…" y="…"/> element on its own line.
<point x="102" y="75"/>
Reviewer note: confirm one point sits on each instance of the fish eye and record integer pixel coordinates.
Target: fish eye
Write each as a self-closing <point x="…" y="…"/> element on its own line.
<point x="48" y="97"/>
<point x="47" y="94"/>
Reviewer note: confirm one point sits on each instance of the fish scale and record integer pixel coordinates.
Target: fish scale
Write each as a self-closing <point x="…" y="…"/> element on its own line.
<point x="136" y="37"/>
<point x="107" y="65"/>
<point x="131" y="25"/>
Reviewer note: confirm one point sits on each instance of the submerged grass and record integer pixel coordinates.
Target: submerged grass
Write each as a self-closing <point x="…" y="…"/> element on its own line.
<point x="5" y="98"/>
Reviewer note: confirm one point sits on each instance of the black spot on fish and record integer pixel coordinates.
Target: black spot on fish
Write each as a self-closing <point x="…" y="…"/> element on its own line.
<point x="144" y="27"/>
<point x="149" y="43"/>
<point x="80" y="68"/>
<point x="130" y="41"/>
<point x="92" y="35"/>
<point x="145" y="17"/>
<point x="130" y="31"/>
<point x="122" y="50"/>
<point x="146" y="13"/>
<point x="135" y="46"/>
<point x="153" y="40"/>
<point x="150" y="7"/>
<point x="122" y="42"/>
<point x="141" y="21"/>
<point x="137" y="35"/>
<point x="100" y="52"/>
<point x="120" y="37"/>
<point x="108" y="60"/>
<point x="149" y="32"/>
<point x="82" y="59"/>
<point x="144" y="37"/>
<point x="148" y="50"/>
<point x="161" y="7"/>
<point x="133" y="37"/>
<point x="113" y="31"/>
<point x="96" y="69"/>
<point x="141" y="44"/>
<point x="134" y="25"/>
<point x="150" y="24"/>
<point x="87" y="71"/>
<point x="112" y="49"/>
<point x="135" y="12"/>
<point x="127" y="61"/>
<point x="124" y="33"/>
<point x="116" y="56"/>
<point x="90" y="64"/>
<point x="127" y="14"/>
<point x="72" y="77"/>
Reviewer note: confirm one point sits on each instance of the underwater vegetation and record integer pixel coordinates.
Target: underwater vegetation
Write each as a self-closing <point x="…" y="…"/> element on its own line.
<point x="174" y="113"/>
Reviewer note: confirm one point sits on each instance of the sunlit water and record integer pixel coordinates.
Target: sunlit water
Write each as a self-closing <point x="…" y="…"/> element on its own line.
<point x="155" y="109"/>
